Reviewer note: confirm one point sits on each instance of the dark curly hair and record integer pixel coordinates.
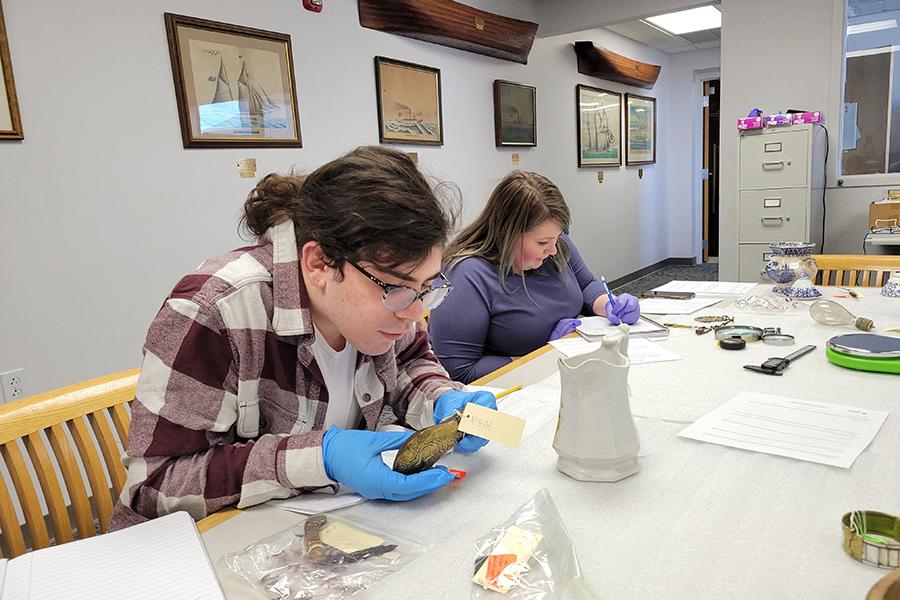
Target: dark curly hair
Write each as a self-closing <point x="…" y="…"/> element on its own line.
<point x="371" y="204"/>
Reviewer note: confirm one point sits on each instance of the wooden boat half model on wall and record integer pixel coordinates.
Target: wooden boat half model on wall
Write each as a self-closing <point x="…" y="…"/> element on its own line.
<point x="605" y="64"/>
<point x="451" y="24"/>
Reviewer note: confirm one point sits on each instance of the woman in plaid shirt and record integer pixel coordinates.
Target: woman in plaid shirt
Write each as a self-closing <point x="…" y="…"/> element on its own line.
<point x="267" y="368"/>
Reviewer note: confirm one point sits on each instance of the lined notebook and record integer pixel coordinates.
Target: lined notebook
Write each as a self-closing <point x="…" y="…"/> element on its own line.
<point x="158" y="560"/>
<point x="594" y="328"/>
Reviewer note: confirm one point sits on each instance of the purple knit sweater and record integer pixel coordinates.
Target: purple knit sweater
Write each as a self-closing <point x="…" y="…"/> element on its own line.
<point x="480" y="325"/>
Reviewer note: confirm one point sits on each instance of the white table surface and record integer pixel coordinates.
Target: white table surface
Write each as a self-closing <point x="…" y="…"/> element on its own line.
<point x="698" y="520"/>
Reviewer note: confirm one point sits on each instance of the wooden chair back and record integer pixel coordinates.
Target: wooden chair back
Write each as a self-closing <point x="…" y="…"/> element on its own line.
<point x="855" y="270"/>
<point x="44" y="425"/>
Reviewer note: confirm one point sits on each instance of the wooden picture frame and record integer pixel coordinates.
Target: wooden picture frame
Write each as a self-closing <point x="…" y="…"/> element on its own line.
<point x="598" y="114"/>
<point x="10" y="119"/>
<point x="640" y="130"/>
<point x="234" y="85"/>
<point x="409" y="103"/>
<point x="515" y="114"/>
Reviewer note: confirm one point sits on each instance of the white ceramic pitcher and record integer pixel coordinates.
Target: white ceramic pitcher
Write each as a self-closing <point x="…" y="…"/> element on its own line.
<point x="596" y="438"/>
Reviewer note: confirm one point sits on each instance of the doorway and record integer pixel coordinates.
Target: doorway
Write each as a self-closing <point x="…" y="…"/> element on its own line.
<point x="711" y="98"/>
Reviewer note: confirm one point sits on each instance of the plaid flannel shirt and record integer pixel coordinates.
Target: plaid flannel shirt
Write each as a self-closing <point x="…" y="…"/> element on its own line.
<point x="230" y="402"/>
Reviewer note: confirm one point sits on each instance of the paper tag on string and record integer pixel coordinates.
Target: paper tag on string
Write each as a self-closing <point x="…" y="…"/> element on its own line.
<point x="492" y="425"/>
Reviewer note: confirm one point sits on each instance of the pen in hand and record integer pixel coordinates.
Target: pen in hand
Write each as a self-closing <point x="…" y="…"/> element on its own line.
<point x="609" y="295"/>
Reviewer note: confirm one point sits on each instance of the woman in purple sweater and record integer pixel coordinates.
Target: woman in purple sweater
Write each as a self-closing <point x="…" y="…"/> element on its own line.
<point x="518" y="281"/>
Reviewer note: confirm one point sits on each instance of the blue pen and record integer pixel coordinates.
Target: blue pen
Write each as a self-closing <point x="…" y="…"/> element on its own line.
<point x="612" y="301"/>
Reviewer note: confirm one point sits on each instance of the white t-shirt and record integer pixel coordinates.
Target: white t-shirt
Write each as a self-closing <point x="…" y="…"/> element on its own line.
<point x="338" y="368"/>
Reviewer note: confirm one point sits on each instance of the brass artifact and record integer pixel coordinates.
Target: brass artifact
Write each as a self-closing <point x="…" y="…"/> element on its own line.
<point x="319" y="552"/>
<point x="714" y="319"/>
<point x="872" y="537"/>
<point x="426" y="446"/>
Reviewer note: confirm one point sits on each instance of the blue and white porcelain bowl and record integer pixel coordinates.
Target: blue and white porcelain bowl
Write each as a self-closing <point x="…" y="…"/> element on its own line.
<point x="801" y="292"/>
<point x="793" y="269"/>
<point x="891" y="289"/>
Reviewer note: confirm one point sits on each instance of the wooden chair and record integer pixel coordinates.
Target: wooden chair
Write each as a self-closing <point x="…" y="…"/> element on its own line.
<point x="855" y="270"/>
<point x="81" y="413"/>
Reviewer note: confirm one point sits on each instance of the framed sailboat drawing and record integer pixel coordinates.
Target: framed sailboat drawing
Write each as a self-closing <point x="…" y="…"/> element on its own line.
<point x="640" y="130"/>
<point x="599" y="114"/>
<point x="10" y="121"/>
<point x="234" y="85"/>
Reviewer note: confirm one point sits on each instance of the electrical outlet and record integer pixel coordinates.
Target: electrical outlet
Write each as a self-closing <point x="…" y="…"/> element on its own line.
<point x="12" y="385"/>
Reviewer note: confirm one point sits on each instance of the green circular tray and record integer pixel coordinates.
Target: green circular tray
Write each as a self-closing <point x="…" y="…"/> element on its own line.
<point x="881" y="365"/>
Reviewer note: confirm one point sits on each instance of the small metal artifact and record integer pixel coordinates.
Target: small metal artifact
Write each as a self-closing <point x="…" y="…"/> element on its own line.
<point x="316" y="549"/>
<point x="774" y="366"/>
<point x="426" y="446"/>
<point x="320" y="552"/>
<point x="714" y="319"/>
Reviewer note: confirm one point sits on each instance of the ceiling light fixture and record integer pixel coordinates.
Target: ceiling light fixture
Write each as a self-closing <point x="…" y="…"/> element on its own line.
<point x="687" y="21"/>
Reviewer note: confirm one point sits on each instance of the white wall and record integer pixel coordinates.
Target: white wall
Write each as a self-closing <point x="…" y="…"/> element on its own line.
<point x="104" y="210"/>
<point x="750" y="78"/>
<point x="684" y="143"/>
<point x="772" y="64"/>
<point x="620" y="223"/>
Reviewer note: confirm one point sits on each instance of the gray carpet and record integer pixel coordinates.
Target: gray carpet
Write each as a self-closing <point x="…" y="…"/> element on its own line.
<point x="704" y="272"/>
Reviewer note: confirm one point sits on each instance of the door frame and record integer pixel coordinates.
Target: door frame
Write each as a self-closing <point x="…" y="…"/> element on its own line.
<point x="701" y="189"/>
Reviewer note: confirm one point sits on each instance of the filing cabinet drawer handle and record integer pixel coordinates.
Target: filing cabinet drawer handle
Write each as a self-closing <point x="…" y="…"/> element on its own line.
<point x="774" y="220"/>
<point x="773" y="164"/>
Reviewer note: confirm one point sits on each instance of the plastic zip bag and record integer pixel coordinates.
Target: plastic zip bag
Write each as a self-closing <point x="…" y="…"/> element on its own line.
<point x="325" y="557"/>
<point x="529" y="556"/>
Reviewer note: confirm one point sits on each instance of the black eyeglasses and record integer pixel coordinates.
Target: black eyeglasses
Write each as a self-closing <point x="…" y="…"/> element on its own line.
<point x="399" y="297"/>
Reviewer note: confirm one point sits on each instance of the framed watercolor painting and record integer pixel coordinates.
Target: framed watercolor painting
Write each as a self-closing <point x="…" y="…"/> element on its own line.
<point x="515" y="114"/>
<point x="599" y="114"/>
<point x="409" y="103"/>
<point x="234" y="85"/>
<point x="10" y="119"/>
<point x="640" y="130"/>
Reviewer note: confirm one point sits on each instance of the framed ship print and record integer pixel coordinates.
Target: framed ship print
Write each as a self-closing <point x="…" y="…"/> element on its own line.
<point x="409" y="103"/>
<point x="599" y="114"/>
<point x="640" y="130"/>
<point x="10" y="120"/>
<point x="234" y="85"/>
<point x="515" y="114"/>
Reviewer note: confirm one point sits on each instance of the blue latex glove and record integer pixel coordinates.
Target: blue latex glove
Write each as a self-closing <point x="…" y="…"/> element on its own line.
<point x="563" y="327"/>
<point x="353" y="458"/>
<point x="627" y="310"/>
<point x="455" y="400"/>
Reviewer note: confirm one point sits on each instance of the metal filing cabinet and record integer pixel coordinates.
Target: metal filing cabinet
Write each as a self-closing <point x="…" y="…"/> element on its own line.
<point x="780" y="182"/>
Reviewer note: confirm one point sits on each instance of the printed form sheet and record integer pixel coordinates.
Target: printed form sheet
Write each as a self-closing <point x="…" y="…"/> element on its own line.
<point x="830" y="434"/>
<point x="666" y="306"/>
<point x="727" y="288"/>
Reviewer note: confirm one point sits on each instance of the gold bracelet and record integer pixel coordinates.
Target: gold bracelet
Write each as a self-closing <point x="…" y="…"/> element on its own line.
<point x="872" y="537"/>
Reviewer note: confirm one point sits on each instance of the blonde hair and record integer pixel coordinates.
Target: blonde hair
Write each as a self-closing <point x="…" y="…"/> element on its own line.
<point x="521" y="201"/>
